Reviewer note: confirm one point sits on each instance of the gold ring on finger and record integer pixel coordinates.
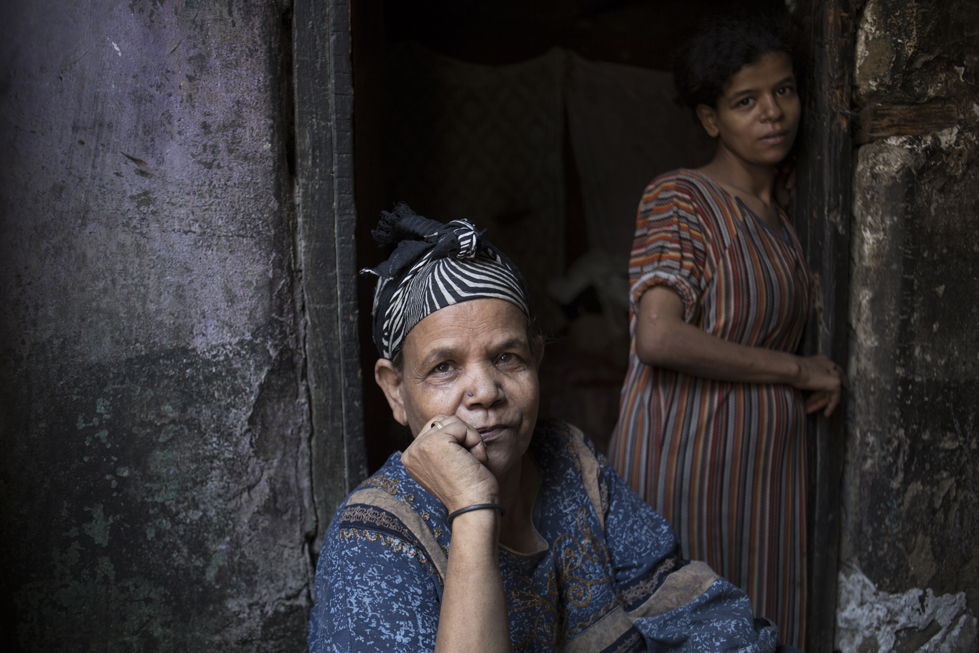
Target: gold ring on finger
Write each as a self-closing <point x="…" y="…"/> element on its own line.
<point x="437" y="424"/>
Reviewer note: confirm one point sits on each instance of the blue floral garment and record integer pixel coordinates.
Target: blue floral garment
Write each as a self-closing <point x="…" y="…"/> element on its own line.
<point x="606" y="576"/>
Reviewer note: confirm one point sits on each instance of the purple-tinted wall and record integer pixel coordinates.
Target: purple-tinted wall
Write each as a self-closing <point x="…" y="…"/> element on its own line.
<point x="154" y="427"/>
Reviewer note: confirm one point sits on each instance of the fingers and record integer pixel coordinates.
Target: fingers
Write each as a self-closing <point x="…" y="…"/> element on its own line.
<point x="833" y="403"/>
<point x="823" y="399"/>
<point x="464" y="435"/>
<point x="827" y="380"/>
<point x="444" y="430"/>
<point x="829" y="367"/>
<point x="479" y="452"/>
<point x="448" y="458"/>
<point x="823" y="375"/>
<point x="836" y="370"/>
<point x="844" y="381"/>
<point x="815" y="401"/>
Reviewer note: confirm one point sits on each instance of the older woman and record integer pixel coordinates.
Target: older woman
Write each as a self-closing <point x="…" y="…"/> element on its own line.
<point x="494" y="531"/>
<point x="712" y="419"/>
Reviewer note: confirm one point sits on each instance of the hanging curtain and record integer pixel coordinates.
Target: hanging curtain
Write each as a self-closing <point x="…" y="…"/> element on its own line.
<point x="482" y="143"/>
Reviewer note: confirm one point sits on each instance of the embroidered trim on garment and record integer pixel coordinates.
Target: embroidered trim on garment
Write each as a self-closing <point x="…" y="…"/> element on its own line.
<point x="386" y="483"/>
<point x="680" y="587"/>
<point x="370" y="517"/>
<point x="635" y="594"/>
<point x="396" y="544"/>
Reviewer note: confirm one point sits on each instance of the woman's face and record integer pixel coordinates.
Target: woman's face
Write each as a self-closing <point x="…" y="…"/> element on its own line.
<point x="757" y="116"/>
<point x="472" y="360"/>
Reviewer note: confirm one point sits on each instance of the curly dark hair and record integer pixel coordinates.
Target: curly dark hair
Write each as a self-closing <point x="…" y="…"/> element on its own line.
<point x="706" y="63"/>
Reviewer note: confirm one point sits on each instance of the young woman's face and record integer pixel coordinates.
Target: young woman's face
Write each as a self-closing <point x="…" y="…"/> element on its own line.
<point x="757" y="116"/>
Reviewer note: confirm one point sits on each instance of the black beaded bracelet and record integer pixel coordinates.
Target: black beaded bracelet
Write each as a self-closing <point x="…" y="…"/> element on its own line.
<point x="476" y="506"/>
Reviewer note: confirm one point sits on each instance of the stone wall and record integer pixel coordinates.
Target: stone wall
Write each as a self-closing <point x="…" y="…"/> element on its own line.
<point x="154" y="425"/>
<point x="909" y="575"/>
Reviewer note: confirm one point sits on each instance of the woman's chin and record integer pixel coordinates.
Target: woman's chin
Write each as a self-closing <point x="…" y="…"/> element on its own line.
<point x="505" y="454"/>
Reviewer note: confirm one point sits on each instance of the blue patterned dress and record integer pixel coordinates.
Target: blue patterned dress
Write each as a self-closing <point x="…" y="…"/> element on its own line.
<point x="606" y="575"/>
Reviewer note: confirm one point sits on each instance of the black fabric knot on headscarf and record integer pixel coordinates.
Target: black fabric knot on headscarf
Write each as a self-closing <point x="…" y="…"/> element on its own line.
<point x="416" y="236"/>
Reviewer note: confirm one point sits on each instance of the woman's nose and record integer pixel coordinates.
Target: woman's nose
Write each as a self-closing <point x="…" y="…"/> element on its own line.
<point x="772" y="110"/>
<point x="482" y="388"/>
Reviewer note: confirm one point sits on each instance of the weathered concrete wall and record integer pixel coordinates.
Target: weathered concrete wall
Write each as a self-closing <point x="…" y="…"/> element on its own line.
<point x="910" y="570"/>
<point x="153" y="425"/>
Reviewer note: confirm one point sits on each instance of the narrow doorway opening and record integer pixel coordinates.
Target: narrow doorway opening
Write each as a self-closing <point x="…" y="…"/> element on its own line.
<point x="541" y="122"/>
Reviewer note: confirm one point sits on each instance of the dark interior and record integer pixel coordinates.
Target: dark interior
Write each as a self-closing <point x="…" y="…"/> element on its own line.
<point x="506" y="111"/>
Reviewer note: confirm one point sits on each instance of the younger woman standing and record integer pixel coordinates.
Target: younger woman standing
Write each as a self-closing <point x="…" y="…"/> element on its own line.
<point x="712" y="415"/>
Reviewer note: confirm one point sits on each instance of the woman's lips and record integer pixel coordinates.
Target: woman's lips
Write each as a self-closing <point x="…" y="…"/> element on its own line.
<point x="775" y="139"/>
<point x="490" y="433"/>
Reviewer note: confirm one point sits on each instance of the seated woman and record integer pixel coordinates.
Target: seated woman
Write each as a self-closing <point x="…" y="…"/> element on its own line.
<point x="494" y="531"/>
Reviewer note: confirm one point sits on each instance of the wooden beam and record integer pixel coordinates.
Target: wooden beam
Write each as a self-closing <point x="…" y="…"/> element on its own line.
<point x="903" y="120"/>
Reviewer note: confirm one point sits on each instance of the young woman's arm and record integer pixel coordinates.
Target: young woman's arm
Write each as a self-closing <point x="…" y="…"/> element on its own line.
<point x="664" y="340"/>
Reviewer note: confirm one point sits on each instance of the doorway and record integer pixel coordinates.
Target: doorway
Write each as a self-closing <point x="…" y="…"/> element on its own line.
<point x="541" y="122"/>
<point x="503" y="62"/>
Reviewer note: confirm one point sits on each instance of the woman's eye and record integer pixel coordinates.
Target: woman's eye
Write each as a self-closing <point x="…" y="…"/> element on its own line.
<point x="743" y="102"/>
<point x="442" y="368"/>
<point x="785" y="90"/>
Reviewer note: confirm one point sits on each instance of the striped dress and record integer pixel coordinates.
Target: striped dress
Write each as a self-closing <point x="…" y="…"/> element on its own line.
<point x="724" y="462"/>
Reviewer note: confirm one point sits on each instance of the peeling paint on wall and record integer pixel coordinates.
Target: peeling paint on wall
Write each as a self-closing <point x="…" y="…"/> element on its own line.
<point x="915" y="620"/>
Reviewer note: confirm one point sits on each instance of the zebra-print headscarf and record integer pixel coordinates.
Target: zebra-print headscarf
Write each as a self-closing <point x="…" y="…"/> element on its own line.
<point x="435" y="265"/>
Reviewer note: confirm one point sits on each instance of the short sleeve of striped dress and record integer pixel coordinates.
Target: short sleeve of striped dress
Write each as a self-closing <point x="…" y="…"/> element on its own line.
<point x="668" y="248"/>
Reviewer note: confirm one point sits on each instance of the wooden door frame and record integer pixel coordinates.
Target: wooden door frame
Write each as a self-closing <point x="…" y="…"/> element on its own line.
<point x="822" y="217"/>
<point x="325" y="258"/>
